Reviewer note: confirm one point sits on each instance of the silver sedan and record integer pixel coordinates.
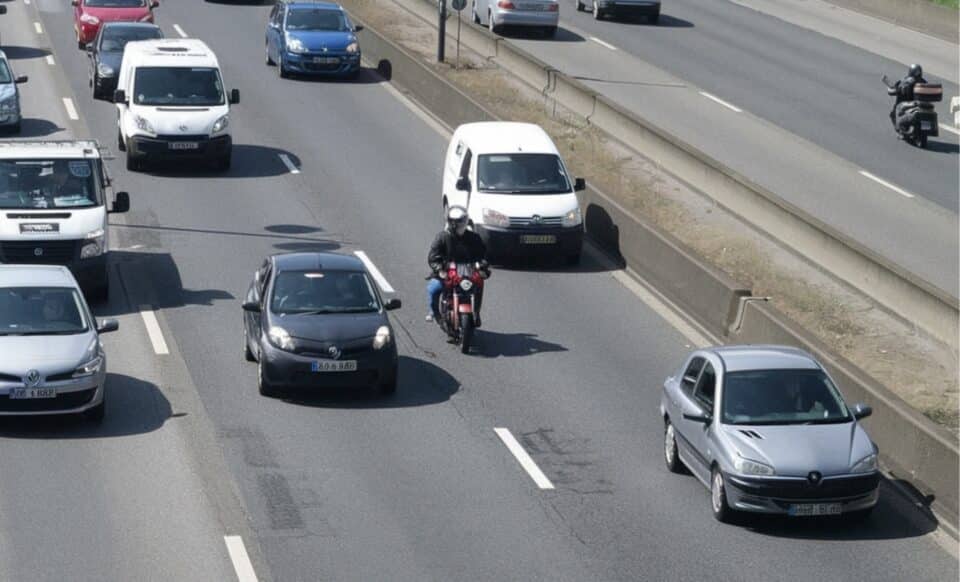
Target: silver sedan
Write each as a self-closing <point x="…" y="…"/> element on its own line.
<point x="767" y="431"/>
<point x="529" y="14"/>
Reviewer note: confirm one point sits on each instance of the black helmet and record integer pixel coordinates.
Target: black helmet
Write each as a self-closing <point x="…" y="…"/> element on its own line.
<point x="456" y="216"/>
<point x="916" y="70"/>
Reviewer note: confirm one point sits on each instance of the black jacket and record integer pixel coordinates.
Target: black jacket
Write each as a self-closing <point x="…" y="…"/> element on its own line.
<point x="905" y="88"/>
<point x="448" y="247"/>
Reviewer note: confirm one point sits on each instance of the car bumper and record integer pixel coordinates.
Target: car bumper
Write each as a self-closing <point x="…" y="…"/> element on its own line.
<point x="513" y="242"/>
<point x="10" y="118"/>
<point x="637" y="8"/>
<point x="73" y="397"/>
<point x="305" y="64"/>
<point x="525" y="17"/>
<point x="289" y="370"/>
<point x="778" y="495"/>
<point x="159" y="147"/>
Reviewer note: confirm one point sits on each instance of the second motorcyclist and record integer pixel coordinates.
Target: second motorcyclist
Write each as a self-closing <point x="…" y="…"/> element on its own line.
<point x="458" y="244"/>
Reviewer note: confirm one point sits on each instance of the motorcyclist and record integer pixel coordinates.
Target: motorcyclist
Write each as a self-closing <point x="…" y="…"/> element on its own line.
<point x="457" y="244"/>
<point x="903" y="89"/>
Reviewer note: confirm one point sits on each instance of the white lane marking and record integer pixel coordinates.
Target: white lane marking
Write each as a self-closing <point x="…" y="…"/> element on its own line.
<point x="603" y="43"/>
<point x="952" y="130"/>
<point x="26" y="2"/>
<point x="153" y="330"/>
<point x="179" y="31"/>
<point x="50" y="60"/>
<point x="523" y="458"/>
<point x="720" y="101"/>
<point x="38" y="28"/>
<point x="71" y="110"/>
<point x="240" y="559"/>
<point x="289" y="164"/>
<point x="374" y="272"/>
<point x="882" y="182"/>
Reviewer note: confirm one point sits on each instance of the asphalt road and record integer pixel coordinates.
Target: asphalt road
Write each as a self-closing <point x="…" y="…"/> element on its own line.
<point x="355" y="486"/>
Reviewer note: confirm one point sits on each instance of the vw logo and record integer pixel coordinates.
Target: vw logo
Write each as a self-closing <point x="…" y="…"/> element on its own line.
<point x="183" y="128"/>
<point x="814" y="477"/>
<point x="33" y="378"/>
<point x="537" y="219"/>
<point x="334" y="352"/>
<point x="38" y="252"/>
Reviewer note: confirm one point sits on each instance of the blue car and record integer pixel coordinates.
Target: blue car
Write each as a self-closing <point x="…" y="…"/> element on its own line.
<point x="312" y="38"/>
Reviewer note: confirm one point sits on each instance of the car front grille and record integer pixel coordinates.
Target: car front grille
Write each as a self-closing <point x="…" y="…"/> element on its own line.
<point x="529" y="221"/>
<point x="45" y="252"/>
<point x="65" y="401"/>
<point x="802" y="489"/>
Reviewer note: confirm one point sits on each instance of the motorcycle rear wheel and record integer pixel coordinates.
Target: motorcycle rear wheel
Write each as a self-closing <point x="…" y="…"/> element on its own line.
<point x="466" y="332"/>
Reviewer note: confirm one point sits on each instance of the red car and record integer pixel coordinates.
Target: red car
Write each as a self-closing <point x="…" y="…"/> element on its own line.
<point x="89" y="14"/>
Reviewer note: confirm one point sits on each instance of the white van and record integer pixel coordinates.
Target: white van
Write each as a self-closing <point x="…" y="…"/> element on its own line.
<point x="516" y="189"/>
<point x="53" y="209"/>
<point x="171" y="103"/>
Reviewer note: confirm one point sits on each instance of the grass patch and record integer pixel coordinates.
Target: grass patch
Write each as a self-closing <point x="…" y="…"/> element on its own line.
<point x="955" y="4"/>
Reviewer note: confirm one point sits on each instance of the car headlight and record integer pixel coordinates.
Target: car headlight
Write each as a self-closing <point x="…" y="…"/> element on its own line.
<point x="494" y="218"/>
<point x="89" y="368"/>
<point x="89" y="19"/>
<point x="105" y="70"/>
<point x="221" y="124"/>
<point x="295" y="45"/>
<point x="572" y="218"/>
<point x="144" y="125"/>
<point x="867" y="464"/>
<point x="382" y="338"/>
<point x="280" y="338"/>
<point x="748" y="467"/>
<point x="93" y="244"/>
<point x="466" y="284"/>
<point x="353" y="47"/>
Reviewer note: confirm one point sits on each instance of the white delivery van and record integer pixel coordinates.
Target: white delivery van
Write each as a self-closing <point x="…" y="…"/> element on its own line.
<point x="171" y="103"/>
<point x="53" y="209"/>
<point x="516" y="189"/>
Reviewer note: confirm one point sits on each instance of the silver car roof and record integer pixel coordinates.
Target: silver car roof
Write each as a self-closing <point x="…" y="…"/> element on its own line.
<point x="764" y="357"/>
<point x="36" y="276"/>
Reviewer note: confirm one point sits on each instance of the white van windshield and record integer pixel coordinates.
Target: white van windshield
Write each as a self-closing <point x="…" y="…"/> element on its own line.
<point x="35" y="184"/>
<point x="522" y="174"/>
<point x="199" y="86"/>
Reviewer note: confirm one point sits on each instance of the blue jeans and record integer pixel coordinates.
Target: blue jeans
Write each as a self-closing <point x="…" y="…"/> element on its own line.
<point x="434" y="288"/>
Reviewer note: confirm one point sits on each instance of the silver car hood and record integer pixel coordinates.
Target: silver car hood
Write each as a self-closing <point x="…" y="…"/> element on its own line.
<point x="795" y="450"/>
<point x="48" y="354"/>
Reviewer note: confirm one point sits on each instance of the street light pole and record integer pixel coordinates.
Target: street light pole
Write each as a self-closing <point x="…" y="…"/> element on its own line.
<point x="442" y="27"/>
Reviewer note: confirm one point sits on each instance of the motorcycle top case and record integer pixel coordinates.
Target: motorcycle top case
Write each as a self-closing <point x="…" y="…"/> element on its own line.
<point x="928" y="92"/>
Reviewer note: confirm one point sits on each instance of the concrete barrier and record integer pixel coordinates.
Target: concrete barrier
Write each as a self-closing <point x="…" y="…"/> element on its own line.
<point x="921" y="15"/>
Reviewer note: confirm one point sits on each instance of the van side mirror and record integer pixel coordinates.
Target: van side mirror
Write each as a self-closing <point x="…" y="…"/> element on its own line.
<point x="358" y="28"/>
<point x="463" y="184"/>
<point x="121" y="203"/>
<point x="234" y="96"/>
<point x="120" y="96"/>
<point x="579" y="185"/>
<point x="21" y="79"/>
<point x="251" y="306"/>
<point x="861" y="411"/>
<point x="392" y="304"/>
<point x="107" y="325"/>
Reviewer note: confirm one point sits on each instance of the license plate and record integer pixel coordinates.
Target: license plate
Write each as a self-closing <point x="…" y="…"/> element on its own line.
<point x="538" y="239"/>
<point x="814" y="509"/>
<point x="532" y="7"/>
<point x="334" y="366"/>
<point x="926" y="125"/>
<point x="30" y="393"/>
<point x="183" y="145"/>
<point x="326" y="60"/>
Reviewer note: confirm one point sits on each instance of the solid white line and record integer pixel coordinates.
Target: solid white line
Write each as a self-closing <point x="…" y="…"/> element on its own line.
<point x="896" y="189"/>
<point x="720" y="101"/>
<point x="374" y="272"/>
<point x="153" y="330"/>
<point x="952" y="130"/>
<point x="240" y="559"/>
<point x="71" y="110"/>
<point x="37" y="27"/>
<point x="50" y="60"/>
<point x="524" y="459"/>
<point x="289" y="164"/>
<point x="179" y="31"/>
<point x="603" y="43"/>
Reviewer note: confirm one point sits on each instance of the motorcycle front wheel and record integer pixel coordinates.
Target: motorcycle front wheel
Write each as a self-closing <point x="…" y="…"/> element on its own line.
<point x="466" y="332"/>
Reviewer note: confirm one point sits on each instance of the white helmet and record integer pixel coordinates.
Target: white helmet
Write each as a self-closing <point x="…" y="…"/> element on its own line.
<point x="456" y="216"/>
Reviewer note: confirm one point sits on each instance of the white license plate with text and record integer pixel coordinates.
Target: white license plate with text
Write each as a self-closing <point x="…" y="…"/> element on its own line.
<point x="31" y="393"/>
<point x="183" y="145"/>
<point x="334" y="366"/>
<point x="538" y="239"/>
<point x="814" y="509"/>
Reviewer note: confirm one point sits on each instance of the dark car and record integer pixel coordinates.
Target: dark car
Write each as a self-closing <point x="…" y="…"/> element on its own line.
<point x="316" y="320"/>
<point x="106" y="53"/>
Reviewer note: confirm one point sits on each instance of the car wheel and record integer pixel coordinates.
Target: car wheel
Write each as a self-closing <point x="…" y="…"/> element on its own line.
<point x="263" y="385"/>
<point x="98" y="412"/>
<point x="81" y="45"/>
<point x="494" y="27"/>
<point x="670" y="456"/>
<point x="718" y="498"/>
<point x="597" y="14"/>
<point x="922" y="141"/>
<point x="133" y="163"/>
<point x="247" y="352"/>
<point x="281" y="70"/>
<point x="268" y="60"/>
<point x="120" y="144"/>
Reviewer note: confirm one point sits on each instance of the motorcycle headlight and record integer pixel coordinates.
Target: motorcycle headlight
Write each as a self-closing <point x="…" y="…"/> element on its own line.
<point x="382" y="339"/>
<point x="867" y="464"/>
<point x="353" y="47"/>
<point x="280" y="338"/>
<point x="89" y="19"/>
<point x="572" y="218"/>
<point x="89" y="368"/>
<point x="144" y="125"/>
<point x="748" y="467"/>
<point x="221" y="124"/>
<point x="494" y="218"/>
<point x="105" y="70"/>
<point x="93" y="245"/>
<point x="466" y="284"/>
<point x="295" y="45"/>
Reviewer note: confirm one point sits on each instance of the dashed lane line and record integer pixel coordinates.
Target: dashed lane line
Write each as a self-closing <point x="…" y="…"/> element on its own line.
<point x="374" y="272"/>
<point x="50" y="60"/>
<point x="289" y="164"/>
<point x="603" y="43"/>
<point x="38" y="28"/>
<point x="179" y="31"/>
<point x="71" y="110"/>
<point x="523" y="458"/>
<point x="241" y="561"/>
<point x="952" y="130"/>
<point x="153" y="330"/>
<point x="721" y="101"/>
<point x="883" y="182"/>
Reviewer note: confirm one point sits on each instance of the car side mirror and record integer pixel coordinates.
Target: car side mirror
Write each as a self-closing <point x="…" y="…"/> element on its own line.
<point x="579" y="185"/>
<point x="861" y="411"/>
<point x="463" y="184"/>
<point x="21" y="79"/>
<point x="358" y="28"/>
<point x="392" y="304"/>
<point x="703" y="417"/>
<point x="154" y="4"/>
<point x="120" y="96"/>
<point x="121" y="203"/>
<point x="108" y="325"/>
<point x="234" y="96"/>
<point x="251" y="306"/>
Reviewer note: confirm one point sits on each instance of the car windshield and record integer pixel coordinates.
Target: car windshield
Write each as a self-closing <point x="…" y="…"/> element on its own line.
<point x="5" y="77"/>
<point x="37" y="184"/>
<point x="41" y="311"/>
<point x="781" y="397"/>
<point x="199" y="86"/>
<point x="323" y="292"/>
<point x="115" y="3"/>
<point x="317" y="19"/>
<point x="114" y="38"/>
<point x="522" y="174"/>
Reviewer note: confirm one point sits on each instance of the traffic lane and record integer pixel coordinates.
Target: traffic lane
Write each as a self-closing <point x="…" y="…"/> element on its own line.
<point x="817" y="87"/>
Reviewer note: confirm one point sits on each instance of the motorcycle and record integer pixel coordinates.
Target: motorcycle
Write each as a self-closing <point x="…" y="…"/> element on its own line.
<point x="463" y="281"/>
<point x="916" y="120"/>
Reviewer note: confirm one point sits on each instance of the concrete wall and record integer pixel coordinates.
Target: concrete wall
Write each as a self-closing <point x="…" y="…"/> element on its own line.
<point x="922" y="15"/>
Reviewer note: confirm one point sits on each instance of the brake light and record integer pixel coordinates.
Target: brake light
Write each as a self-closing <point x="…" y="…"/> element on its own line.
<point x="553" y="7"/>
<point x="506" y="5"/>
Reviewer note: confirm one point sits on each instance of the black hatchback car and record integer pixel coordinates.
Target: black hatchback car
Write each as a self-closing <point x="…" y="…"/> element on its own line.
<point x="106" y="53"/>
<point x="316" y="320"/>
